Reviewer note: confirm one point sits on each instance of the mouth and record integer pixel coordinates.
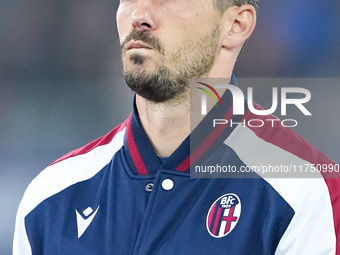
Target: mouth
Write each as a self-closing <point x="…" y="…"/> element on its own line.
<point x="137" y="45"/>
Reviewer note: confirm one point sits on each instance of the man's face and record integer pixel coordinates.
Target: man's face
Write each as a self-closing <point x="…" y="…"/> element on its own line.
<point x="165" y="43"/>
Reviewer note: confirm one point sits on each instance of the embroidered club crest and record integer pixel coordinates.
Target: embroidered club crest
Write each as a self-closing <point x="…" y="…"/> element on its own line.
<point x="223" y="215"/>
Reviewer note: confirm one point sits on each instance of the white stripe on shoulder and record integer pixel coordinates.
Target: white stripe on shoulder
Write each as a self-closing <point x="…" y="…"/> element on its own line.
<point x="63" y="174"/>
<point x="311" y="230"/>
<point x="58" y="177"/>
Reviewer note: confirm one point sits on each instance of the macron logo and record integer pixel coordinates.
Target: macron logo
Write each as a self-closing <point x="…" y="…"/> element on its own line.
<point x="84" y="222"/>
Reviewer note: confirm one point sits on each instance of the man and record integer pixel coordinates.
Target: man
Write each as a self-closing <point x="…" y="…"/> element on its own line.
<point x="130" y="192"/>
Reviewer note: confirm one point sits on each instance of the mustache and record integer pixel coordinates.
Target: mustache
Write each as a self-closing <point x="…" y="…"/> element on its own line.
<point x="142" y="35"/>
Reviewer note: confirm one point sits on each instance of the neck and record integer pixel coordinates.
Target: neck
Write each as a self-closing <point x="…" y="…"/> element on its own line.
<point x="166" y="124"/>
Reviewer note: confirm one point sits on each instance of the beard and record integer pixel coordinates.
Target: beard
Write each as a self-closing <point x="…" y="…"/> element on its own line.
<point x="190" y="61"/>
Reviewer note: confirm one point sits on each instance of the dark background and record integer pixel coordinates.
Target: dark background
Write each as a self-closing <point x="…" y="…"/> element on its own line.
<point x="61" y="84"/>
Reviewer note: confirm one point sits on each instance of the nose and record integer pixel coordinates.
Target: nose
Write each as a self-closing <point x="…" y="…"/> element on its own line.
<point x="144" y="16"/>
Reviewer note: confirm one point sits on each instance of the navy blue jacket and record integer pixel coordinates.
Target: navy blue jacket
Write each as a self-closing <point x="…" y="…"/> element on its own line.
<point x="116" y="196"/>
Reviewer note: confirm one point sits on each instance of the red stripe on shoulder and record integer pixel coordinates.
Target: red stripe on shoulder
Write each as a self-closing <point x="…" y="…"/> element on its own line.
<point x="290" y="141"/>
<point x="106" y="139"/>
<point x="286" y="139"/>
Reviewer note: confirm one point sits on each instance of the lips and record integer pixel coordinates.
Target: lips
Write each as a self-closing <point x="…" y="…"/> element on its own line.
<point x="137" y="45"/>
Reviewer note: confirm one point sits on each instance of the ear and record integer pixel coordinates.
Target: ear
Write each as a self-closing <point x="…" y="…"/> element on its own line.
<point x="240" y="23"/>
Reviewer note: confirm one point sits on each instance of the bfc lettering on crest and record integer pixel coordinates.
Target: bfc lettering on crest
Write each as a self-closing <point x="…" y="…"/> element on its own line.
<point x="223" y="215"/>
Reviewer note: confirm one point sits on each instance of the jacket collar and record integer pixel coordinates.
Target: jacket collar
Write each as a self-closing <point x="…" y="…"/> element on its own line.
<point x="142" y="158"/>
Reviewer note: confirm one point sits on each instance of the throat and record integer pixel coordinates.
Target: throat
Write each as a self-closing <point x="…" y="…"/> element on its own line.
<point x="166" y="124"/>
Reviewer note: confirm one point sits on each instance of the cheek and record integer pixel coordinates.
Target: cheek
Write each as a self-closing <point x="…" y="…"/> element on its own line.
<point x="123" y="19"/>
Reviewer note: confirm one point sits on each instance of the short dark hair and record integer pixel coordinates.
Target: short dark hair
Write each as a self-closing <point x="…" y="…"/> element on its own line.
<point x="222" y="5"/>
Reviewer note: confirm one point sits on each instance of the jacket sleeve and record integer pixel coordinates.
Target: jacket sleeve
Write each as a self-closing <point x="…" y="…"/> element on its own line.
<point x="312" y="229"/>
<point x="21" y="245"/>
